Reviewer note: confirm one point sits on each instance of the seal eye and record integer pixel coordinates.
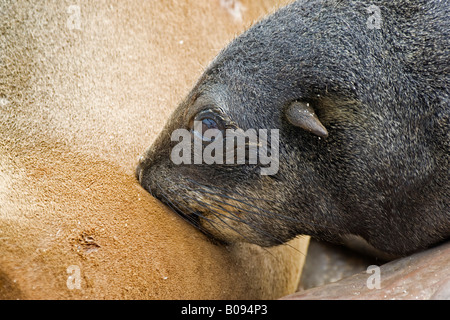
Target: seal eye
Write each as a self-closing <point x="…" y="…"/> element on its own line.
<point x="208" y="123"/>
<point x="207" y="126"/>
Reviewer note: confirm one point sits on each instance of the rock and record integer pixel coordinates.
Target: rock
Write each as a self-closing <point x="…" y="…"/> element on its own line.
<point x="326" y="263"/>
<point x="421" y="276"/>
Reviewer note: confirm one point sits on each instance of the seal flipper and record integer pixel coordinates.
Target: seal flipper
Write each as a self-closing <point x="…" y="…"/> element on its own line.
<point x="301" y="114"/>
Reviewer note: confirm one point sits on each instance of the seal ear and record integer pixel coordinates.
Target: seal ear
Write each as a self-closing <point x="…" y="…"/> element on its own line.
<point x="301" y="114"/>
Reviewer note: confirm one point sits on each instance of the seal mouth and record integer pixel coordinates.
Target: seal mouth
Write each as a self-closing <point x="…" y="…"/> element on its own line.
<point x="194" y="220"/>
<point x="193" y="217"/>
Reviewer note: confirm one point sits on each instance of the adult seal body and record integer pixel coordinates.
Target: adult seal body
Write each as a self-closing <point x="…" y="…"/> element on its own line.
<point x="359" y="93"/>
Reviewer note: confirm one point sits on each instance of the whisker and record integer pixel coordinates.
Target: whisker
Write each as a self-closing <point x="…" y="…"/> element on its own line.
<point x="256" y="228"/>
<point x="189" y="219"/>
<point x="264" y="212"/>
<point x="210" y="222"/>
<point x="217" y="214"/>
<point x="270" y="214"/>
<point x="207" y="206"/>
<point x="235" y="192"/>
<point x="227" y="225"/>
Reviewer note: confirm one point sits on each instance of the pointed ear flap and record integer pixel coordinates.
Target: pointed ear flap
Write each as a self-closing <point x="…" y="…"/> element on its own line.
<point x="302" y="115"/>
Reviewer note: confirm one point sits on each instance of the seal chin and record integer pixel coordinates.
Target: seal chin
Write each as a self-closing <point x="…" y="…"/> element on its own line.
<point x="359" y="244"/>
<point x="237" y="234"/>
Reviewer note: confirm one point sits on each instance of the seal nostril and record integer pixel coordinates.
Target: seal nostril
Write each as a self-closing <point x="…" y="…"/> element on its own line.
<point x="138" y="172"/>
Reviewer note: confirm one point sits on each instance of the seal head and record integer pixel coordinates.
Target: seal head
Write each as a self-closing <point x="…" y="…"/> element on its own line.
<point x="363" y="122"/>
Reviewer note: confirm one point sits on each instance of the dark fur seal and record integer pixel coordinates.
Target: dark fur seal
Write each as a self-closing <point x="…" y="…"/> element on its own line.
<point x="359" y="91"/>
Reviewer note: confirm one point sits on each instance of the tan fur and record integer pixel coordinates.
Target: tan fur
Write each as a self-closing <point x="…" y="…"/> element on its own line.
<point x="77" y="107"/>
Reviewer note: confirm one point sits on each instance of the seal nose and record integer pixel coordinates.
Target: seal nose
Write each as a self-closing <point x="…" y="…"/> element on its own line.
<point x="139" y="169"/>
<point x="138" y="172"/>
